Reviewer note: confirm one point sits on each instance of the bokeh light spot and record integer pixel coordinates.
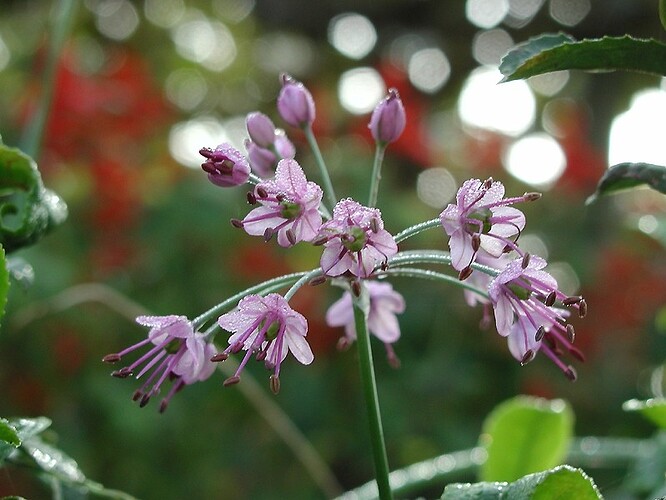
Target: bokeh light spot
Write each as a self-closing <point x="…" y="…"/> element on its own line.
<point x="637" y="135"/>
<point x="536" y="159"/>
<point x="429" y="69"/>
<point x="648" y="223"/>
<point x="187" y="138"/>
<point x="488" y="47"/>
<point x="360" y="89"/>
<point x="164" y="13"/>
<point x="353" y="35"/>
<point x="436" y="187"/>
<point x="569" y="12"/>
<point x="508" y="108"/>
<point x="549" y="84"/>
<point x="186" y="88"/>
<point x="5" y="55"/>
<point x="284" y="53"/>
<point x="486" y="13"/>
<point x="233" y="11"/>
<point x="207" y="43"/>
<point x="116" y="19"/>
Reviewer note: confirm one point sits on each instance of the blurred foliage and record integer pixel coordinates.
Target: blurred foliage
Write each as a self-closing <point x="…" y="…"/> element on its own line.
<point x="155" y="231"/>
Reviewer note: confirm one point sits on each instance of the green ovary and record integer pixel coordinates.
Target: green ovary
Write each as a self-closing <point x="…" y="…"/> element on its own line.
<point x="357" y="239"/>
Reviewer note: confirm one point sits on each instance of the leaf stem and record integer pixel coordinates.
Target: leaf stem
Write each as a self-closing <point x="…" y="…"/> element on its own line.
<point x="319" y="160"/>
<point x="371" y="399"/>
<point x="376" y="174"/>
<point x="32" y="136"/>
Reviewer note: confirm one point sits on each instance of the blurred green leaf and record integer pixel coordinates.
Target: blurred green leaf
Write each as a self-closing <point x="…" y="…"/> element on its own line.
<point x="652" y="409"/>
<point x="27" y="209"/>
<point x="53" y="461"/>
<point x="4" y="282"/>
<point x="8" y="433"/>
<point x="662" y="12"/>
<point x="20" y="271"/>
<point x="9" y="439"/>
<point x="629" y="175"/>
<point x="555" y="52"/>
<point x="525" y="435"/>
<point x="563" y="482"/>
<point x="22" y="429"/>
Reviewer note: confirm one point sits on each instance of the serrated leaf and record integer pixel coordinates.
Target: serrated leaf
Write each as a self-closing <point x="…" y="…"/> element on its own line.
<point x="652" y="409"/>
<point x="629" y="175"/>
<point x="9" y="439"/>
<point x="24" y="428"/>
<point x="525" y="435"/>
<point x="29" y="427"/>
<point x="563" y="482"/>
<point x="53" y="461"/>
<point x="27" y="209"/>
<point x="556" y="52"/>
<point x="8" y="433"/>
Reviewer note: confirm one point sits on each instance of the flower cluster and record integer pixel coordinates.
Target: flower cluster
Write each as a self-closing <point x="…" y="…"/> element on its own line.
<point x="357" y="253"/>
<point x="484" y="229"/>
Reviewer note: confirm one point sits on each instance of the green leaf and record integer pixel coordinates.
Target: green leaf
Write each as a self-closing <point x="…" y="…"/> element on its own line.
<point x="20" y="271"/>
<point x="630" y="175"/>
<point x="652" y="409"/>
<point x="27" y="209"/>
<point x="561" y="483"/>
<point x="524" y="435"/>
<point x="662" y="12"/>
<point x="8" y="433"/>
<point x="53" y="461"/>
<point x="556" y="52"/>
<point x="23" y="428"/>
<point x="4" y="282"/>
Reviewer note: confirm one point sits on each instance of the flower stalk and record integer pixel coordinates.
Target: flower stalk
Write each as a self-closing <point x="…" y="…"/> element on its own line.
<point x="371" y="399"/>
<point x="319" y="160"/>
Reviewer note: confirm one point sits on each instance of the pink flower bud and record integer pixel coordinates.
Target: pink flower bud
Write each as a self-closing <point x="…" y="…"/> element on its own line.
<point x="262" y="160"/>
<point x="295" y="103"/>
<point x="225" y="166"/>
<point x="261" y="129"/>
<point x="388" y="119"/>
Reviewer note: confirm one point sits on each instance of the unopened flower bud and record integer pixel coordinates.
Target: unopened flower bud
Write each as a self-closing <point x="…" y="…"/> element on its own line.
<point x="262" y="160"/>
<point x="260" y="129"/>
<point x="225" y="166"/>
<point x="295" y="103"/>
<point x="388" y="119"/>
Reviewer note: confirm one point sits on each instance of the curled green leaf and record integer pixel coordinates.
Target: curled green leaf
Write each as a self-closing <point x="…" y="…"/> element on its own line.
<point x="562" y="482"/>
<point x="653" y="409"/>
<point x="629" y="175"/>
<point x="525" y="435"/>
<point x="28" y="210"/>
<point x="556" y="52"/>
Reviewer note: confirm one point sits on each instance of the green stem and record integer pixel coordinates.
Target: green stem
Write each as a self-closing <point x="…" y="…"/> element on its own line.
<point x="264" y="287"/>
<point x="412" y="272"/>
<point x="411" y="257"/>
<point x="319" y="159"/>
<point x="371" y="400"/>
<point x="376" y="174"/>
<point x="32" y="136"/>
<point x="414" y="230"/>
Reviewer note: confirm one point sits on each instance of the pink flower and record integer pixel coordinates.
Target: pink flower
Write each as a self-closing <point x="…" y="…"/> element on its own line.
<point x="289" y="207"/>
<point x="523" y="298"/>
<point x="385" y="303"/>
<point x="269" y="328"/>
<point x="295" y="103"/>
<point x="481" y="219"/>
<point x="225" y="165"/>
<point x="388" y="120"/>
<point x="355" y="240"/>
<point x="260" y="129"/>
<point x="183" y="356"/>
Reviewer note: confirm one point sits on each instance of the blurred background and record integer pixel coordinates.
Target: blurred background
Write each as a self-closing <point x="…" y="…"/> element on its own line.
<point x="143" y="85"/>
